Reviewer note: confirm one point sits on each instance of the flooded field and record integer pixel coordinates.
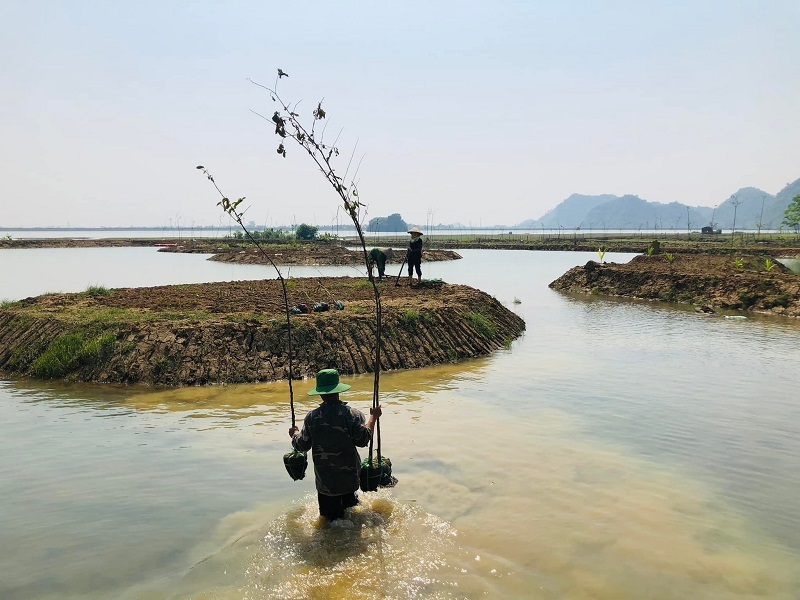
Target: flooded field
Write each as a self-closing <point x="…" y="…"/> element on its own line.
<point x="618" y="450"/>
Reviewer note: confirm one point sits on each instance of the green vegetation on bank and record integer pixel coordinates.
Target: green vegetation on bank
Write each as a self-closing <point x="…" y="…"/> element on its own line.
<point x="97" y="290"/>
<point x="482" y="323"/>
<point x="70" y="352"/>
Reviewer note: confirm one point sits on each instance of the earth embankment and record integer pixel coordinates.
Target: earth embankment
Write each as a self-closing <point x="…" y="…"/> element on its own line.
<point x="281" y="252"/>
<point x="299" y="254"/>
<point x="740" y="283"/>
<point x="237" y="331"/>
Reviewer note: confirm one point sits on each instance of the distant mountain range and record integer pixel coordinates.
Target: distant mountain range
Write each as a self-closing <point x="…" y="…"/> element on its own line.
<point x="631" y="212"/>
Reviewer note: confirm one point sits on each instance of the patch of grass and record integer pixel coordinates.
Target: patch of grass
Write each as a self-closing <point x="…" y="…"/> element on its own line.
<point x="410" y="317"/>
<point x="175" y="315"/>
<point x="115" y="316"/>
<point x="482" y="323"/>
<point x="359" y="283"/>
<point x="98" y="290"/>
<point x="71" y="351"/>
<point x="8" y="303"/>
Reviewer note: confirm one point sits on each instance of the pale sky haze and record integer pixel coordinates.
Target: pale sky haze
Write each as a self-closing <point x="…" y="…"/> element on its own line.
<point x="473" y="112"/>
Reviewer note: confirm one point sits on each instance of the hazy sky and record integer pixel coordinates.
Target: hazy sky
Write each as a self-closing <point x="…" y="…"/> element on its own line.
<point x="478" y="112"/>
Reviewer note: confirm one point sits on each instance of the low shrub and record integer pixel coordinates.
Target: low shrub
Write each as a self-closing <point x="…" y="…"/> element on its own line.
<point x="482" y="323"/>
<point x="410" y="317"/>
<point x="71" y="351"/>
<point x="97" y="290"/>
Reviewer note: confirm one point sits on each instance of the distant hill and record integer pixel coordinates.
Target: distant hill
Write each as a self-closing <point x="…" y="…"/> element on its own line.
<point x="631" y="212"/>
<point x="569" y="213"/>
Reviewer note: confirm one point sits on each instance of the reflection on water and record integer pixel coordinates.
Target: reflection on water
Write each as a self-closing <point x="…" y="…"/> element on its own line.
<point x="618" y="450"/>
<point x="564" y="518"/>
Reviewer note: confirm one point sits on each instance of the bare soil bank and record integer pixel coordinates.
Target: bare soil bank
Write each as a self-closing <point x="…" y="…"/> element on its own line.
<point x="295" y="254"/>
<point x="784" y="247"/>
<point x="704" y="280"/>
<point x="236" y="331"/>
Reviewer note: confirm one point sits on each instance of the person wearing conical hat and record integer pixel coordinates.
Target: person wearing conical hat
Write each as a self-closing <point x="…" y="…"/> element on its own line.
<point x="332" y="431"/>
<point x="414" y="255"/>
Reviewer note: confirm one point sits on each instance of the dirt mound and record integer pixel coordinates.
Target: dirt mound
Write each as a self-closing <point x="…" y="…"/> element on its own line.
<point x="745" y="282"/>
<point x="299" y="254"/>
<point x="237" y="331"/>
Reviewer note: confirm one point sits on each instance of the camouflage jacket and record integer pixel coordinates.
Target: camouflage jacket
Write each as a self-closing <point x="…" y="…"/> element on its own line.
<point x="332" y="433"/>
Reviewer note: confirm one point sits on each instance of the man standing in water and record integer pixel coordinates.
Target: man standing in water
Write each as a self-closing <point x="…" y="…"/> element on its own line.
<point x="414" y="255"/>
<point x="332" y="431"/>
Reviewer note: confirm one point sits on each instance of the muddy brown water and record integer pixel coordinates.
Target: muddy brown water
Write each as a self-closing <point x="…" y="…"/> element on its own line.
<point x="620" y="449"/>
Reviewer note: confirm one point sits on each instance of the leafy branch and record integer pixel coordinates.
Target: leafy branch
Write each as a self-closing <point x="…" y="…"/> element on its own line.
<point x="232" y="208"/>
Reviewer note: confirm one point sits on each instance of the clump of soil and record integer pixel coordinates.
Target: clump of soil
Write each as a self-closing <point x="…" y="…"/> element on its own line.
<point x="734" y="282"/>
<point x="236" y="331"/>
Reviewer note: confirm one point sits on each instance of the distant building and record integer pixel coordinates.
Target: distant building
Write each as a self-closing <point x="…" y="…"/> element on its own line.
<point x="710" y="230"/>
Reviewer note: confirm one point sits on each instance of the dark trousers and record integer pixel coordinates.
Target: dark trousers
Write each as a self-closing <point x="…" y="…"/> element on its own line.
<point x="332" y="507"/>
<point x="415" y="262"/>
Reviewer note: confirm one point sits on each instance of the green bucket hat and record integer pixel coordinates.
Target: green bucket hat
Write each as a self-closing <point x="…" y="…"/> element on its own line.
<point x="328" y="383"/>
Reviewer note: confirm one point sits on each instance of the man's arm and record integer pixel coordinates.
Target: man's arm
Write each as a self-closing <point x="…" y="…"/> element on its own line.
<point x="364" y="432"/>
<point x="374" y="413"/>
<point x="301" y="441"/>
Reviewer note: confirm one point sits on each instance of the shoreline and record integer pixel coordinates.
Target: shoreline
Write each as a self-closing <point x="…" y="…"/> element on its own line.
<point x="775" y="245"/>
